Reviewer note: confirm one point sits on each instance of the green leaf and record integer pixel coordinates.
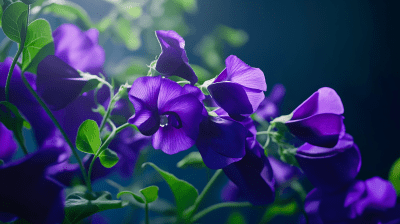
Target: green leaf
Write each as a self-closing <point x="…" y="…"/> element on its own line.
<point x="131" y="10"/>
<point x="108" y="158"/>
<point x="282" y="119"/>
<point x="276" y="209"/>
<point x="38" y="44"/>
<point x="81" y="205"/>
<point x="188" y="5"/>
<point x="130" y="36"/>
<point x="12" y="119"/>
<point x="193" y="159"/>
<point x="235" y="38"/>
<point x="135" y="196"/>
<point x="394" y="175"/>
<point x="150" y="193"/>
<point x="71" y="12"/>
<point x="236" y="218"/>
<point x="1" y="11"/>
<point x="14" y="21"/>
<point x="185" y="194"/>
<point x="28" y="2"/>
<point x="88" y="138"/>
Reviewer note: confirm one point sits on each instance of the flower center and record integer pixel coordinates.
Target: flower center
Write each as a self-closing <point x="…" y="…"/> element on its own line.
<point x="170" y="118"/>
<point x="163" y="120"/>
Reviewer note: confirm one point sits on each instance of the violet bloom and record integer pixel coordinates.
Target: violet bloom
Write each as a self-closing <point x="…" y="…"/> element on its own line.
<point x="318" y="120"/>
<point x="173" y="59"/>
<point x="239" y="88"/>
<point x="58" y="84"/>
<point x="329" y="169"/>
<point x="361" y="202"/>
<point x="79" y="49"/>
<point x="8" y="145"/>
<point x="167" y="112"/>
<point x="269" y="107"/>
<point x="25" y="186"/>
<point x="283" y="172"/>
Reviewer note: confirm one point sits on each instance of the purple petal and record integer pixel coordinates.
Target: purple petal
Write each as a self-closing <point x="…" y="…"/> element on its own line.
<point x="173" y="59"/>
<point x="283" y="172"/>
<point x="325" y="100"/>
<point x="53" y="85"/>
<point x="231" y="97"/>
<point x="277" y="94"/>
<point x="253" y="177"/>
<point x="241" y="73"/>
<point x="223" y="76"/>
<point x="220" y="140"/>
<point x="342" y="163"/>
<point x="8" y="145"/>
<point x="26" y="180"/>
<point x="230" y="192"/>
<point x="79" y="49"/>
<point x="320" y="130"/>
<point x="195" y="91"/>
<point x="172" y="140"/>
<point x="147" y="90"/>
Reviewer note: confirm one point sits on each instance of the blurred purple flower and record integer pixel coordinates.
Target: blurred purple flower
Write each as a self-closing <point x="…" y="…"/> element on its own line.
<point x="283" y="172"/>
<point x="318" y="120"/>
<point x="239" y="88"/>
<point x="25" y="185"/>
<point x="361" y="202"/>
<point x="57" y="83"/>
<point x="173" y="59"/>
<point x="8" y="145"/>
<point x="329" y="169"/>
<point x="269" y="107"/>
<point x="79" y="49"/>
<point x="167" y="111"/>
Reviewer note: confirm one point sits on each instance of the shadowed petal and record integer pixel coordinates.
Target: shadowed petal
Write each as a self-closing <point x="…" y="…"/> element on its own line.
<point x="8" y="145"/>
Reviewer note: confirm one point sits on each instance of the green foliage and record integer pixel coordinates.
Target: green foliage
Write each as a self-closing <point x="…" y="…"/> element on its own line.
<point x="1" y="14"/>
<point x="28" y="2"/>
<point x="201" y="73"/>
<point x="188" y="5"/>
<point x="14" y="21"/>
<point x="236" y="218"/>
<point x="150" y="193"/>
<point x="235" y="38"/>
<point x="108" y="158"/>
<point x="131" y="10"/>
<point x="394" y="175"/>
<point x="81" y="205"/>
<point x="277" y="209"/>
<point x="12" y="119"/>
<point x="185" y="194"/>
<point x="88" y="138"/>
<point x="71" y="12"/>
<point x="135" y="196"/>
<point x="38" y="44"/>
<point x="130" y="36"/>
<point x="193" y="159"/>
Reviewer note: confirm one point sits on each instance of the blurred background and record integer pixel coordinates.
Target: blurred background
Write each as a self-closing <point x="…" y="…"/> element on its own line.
<point x="350" y="46"/>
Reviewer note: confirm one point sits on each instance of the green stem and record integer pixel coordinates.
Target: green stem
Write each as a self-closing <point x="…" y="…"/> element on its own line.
<point x="268" y="137"/>
<point x="193" y="209"/>
<point x="109" y="108"/>
<point x="146" y="208"/>
<point x="57" y="125"/>
<point x="21" y="143"/>
<point x="114" y="132"/>
<point x="219" y="205"/>
<point x="20" y="49"/>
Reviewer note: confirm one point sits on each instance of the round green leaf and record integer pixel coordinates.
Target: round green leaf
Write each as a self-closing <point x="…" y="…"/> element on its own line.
<point x="14" y="21"/>
<point x="135" y="196"/>
<point x="38" y="44"/>
<point x="150" y="193"/>
<point x="88" y="138"/>
<point x="108" y="158"/>
<point x="394" y="175"/>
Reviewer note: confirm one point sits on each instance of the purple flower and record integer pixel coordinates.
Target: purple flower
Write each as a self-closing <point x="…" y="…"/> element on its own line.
<point x="173" y="59"/>
<point x="318" y="120"/>
<point x="167" y="111"/>
<point x="25" y="186"/>
<point x="79" y="49"/>
<point x="269" y="107"/>
<point x="221" y="142"/>
<point x="239" y="88"/>
<point x="361" y="202"/>
<point x="58" y="84"/>
<point x="283" y="172"/>
<point x="8" y="145"/>
<point x="329" y="169"/>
